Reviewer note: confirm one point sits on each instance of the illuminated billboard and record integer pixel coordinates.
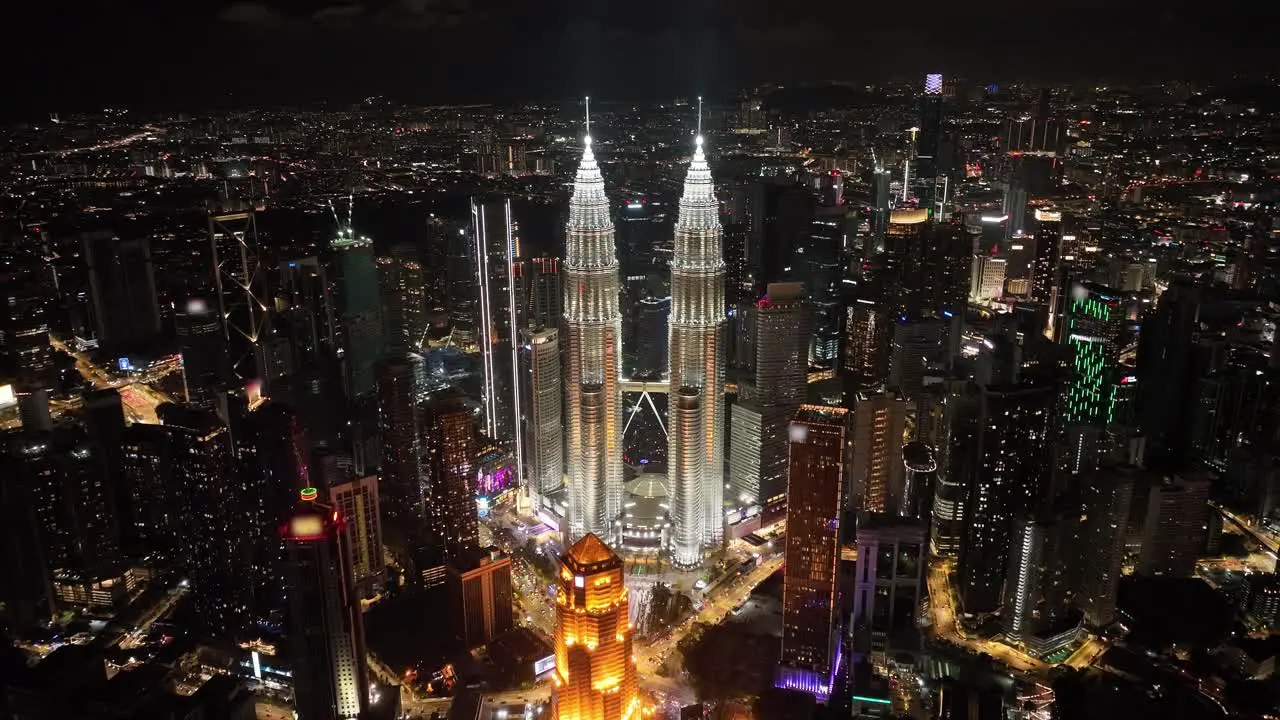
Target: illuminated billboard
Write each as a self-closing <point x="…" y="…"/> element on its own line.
<point x="545" y="665"/>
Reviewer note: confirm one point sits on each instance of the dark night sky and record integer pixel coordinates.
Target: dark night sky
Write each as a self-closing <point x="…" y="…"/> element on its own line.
<point x="187" y="53"/>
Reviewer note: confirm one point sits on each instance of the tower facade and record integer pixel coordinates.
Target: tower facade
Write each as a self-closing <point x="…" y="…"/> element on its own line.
<point x="696" y="367"/>
<point x="326" y="629"/>
<point x="595" y="675"/>
<point x="593" y="327"/>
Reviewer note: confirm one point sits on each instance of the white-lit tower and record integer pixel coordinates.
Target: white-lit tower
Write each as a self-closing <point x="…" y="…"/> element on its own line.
<point x="697" y="362"/>
<point x="593" y="325"/>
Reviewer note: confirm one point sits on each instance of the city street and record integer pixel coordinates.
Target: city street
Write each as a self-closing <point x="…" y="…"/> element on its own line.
<point x="946" y="626"/>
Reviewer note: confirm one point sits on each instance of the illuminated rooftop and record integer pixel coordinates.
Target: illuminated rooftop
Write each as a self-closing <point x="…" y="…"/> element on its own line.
<point x="589" y="553"/>
<point x="908" y="217"/>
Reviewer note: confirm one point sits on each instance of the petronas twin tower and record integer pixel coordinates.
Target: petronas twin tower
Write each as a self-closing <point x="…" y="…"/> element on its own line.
<point x="695" y="427"/>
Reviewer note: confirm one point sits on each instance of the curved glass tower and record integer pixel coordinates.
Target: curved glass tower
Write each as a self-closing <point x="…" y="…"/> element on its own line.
<point x="697" y="360"/>
<point x="593" y="399"/>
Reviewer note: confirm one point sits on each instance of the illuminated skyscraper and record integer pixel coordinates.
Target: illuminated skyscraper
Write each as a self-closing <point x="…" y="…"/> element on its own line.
<point x="326" y="628"/>
<point x="864" y="355"/>
<point x="495" y="253"/>
<point x="201" y="346"/>
<point x="697" y="363"/>
<point x="1048" y="245"/>
<point x="1094" y="322"/>
<point x="593" y="326"/>
<point x="876" y="469"/>
<point x="595" y="675"/>
<point x="544" y="416"/>
<point x="357" y="500"/>
<point x="359" y="327"/>
<point x="815" y="500"/>
<point x="447" y="450"/>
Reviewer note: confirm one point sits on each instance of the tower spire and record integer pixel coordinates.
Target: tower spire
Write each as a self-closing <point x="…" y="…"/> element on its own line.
<point x="699" y="116"/>
<point x="587" y="100"/>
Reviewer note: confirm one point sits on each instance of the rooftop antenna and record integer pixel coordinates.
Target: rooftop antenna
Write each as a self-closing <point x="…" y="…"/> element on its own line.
<point x="699" y="117"/>
<point x="588" y="102"/>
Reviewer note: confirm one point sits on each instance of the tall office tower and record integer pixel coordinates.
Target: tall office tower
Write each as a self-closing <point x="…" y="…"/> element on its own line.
<point x="1174" y="531"/>
<point x="865" y="353"/>
<point x="905" y="284"/>
<point x="400" y="491"/>
<point x="239" y="279"/>
<point x="881" y="204"/>
<point x="920" y="475"/>
<point x="122" y="280"/>
<point x="697" y="365"/>
<point x="1014" y="207"/>
<point x="1048" y="248"/>
<point x="150" y="529"/>
<point x="778" y="332"/>
<point x="272" y="463"/>
<point x="774" y="359"/>
<point x="305" y="322"/>
<point x="544" y="416"/>
<point x="326" y="627"/>
<point x="201" y="347"/>
<point x="595" y="675"/>
<point x="947" y="261"/>
<point x="495" y="252"/>
<point x="24" y="577"/>
<point x="988" y="278"/>
<point x="447" y="456"/>
<point x="652" y="338"/>
<point x="1171" y="359"/>
<point x="916" y="346"/>
<point x="817" y="264"/>
<point x="815" y="503"/>
<point x="61" y="473"/>
<point x="875" y="462"/>
<point x="402" y="282"/>
<point x="949" y="406"/>
<point x="354" y="273"/>
<point x="1106" y="497"/>
<point x="928" y="149"/>
<point x="1093" y="325"/>
<point x="1001" y="452"/>
<point x="889" y="586"/>
<point x="593" y="326"/>
<point x="215" y="514"/>
<point x="1036" y="583"/>
<point x="357" y="502"/>
<point x="480" y="596"/>
<point x="540" y="295"/>
<point x="27" y="308"/>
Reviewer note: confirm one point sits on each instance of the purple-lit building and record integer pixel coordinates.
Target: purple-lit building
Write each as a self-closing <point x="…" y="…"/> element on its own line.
<point x="810" y="605"/>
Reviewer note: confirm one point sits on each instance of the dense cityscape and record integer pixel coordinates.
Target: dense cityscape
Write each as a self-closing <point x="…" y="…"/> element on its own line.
<point x="935" y="398"/>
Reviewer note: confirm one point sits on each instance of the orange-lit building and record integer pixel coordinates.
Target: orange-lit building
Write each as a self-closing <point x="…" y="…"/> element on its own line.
<point x="595" y="675"/>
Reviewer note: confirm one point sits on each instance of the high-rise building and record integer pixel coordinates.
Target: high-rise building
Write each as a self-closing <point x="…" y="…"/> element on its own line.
<point x="201" y="347"/>
<point x="357" y="501"/>
<point x="480" y="594"/>
<point x="239" y="279"/>
<point x="495" y="253"/>
<point x="815" y="502"/>
<point x="865" y="352"/>
<point x="399" y="486"/>
<point x="540" y="293"/>
<point x="593" y="326"/>
<point x="403" y="282"/>
<point x="758" y="456"/>
<point x="212" y="502"/>
<point x="988" y="277"/>
<point x="916" y="345"/>
<point x="1048" y="248"/>
<point x="1106" y="496"/>
<point x="1037" y="583"/>
<point x="928" y="148"/>
<point x="818" y="265"/>
<point x="778" y="332"/>
<point x="1093" y="325"/>
<point x="62" y="474"/>
<point x="905" y="283"/>
<point x="697" y="366"/>
<point x="881" y="202"/>
<point x="27" y="307"/>
<point x="595" y="675"/>
<point x="889" y="585"/>
<point x="354" y="273"/>
<point x="326" y="627"/>
<point x="1001" y="451"/>
<point x="1174" y="531"/>
<point x="447" y="457"/>
<point x="122" y="280"/>
<point x="920" y="474"/>
<point x="544" y="416"/>
<point x="876" y="472"/>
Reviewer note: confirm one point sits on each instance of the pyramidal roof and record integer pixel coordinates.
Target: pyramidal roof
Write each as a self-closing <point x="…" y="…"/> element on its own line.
<point x="590" y="230"/>
<point x="590" y="550"/>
